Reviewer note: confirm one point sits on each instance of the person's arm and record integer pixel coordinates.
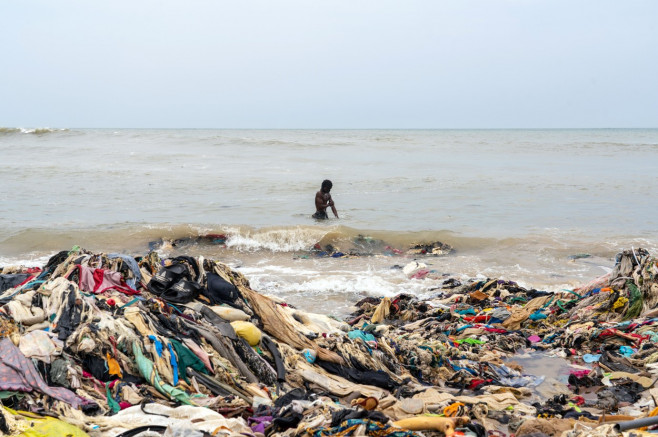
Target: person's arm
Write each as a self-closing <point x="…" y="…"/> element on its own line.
<point x="330" y="202"/>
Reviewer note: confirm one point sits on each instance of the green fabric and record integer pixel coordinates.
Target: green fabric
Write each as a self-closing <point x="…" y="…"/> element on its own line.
<point x="548" y="303"/>
<point x="110" y="401"/>
<point x="635" y="301"/>
<point x="187" y="358"/>
<point x="148" y="371"/>
<point x="470" y="341"/>
<point x="4" y="394"/>
<point x="130" y="303"/>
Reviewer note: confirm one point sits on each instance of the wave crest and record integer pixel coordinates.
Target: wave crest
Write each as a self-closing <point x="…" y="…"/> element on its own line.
<point x="33" y="131"/>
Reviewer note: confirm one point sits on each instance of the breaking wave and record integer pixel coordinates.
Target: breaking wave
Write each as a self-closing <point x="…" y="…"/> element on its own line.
<point x="138" y="238"/>
<point x="33" y="131"/>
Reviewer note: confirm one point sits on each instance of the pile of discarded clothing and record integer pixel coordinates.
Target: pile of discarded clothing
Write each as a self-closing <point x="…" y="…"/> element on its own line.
<point x="95" y="344"/>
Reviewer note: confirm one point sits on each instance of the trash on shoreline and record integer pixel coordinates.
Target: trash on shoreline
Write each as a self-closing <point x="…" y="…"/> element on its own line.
<point x="114" y="345"/>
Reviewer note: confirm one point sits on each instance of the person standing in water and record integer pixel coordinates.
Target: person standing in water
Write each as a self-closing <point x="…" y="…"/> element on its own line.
<point x="323" y="200"/>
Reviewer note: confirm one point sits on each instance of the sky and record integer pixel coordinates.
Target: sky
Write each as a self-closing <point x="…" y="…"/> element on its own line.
<point x="335" y="64"/>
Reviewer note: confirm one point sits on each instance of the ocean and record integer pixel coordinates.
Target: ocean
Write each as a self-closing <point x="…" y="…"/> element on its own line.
<point x="548" y="209"/>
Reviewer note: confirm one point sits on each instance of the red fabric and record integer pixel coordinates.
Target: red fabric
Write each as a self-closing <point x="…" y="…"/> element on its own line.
<point x="496" y="330"/>
<point x="477" y="382"/>
<point x="628" y="336"/>
<point x="109" y="279"/>
<point x="578" y="400"/>
<point x="477" y="319"/>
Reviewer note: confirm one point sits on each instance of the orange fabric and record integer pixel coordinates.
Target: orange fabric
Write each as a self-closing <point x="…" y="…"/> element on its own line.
<point x="113" y="365"/>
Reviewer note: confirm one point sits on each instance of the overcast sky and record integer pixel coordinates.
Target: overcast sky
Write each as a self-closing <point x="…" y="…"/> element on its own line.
<point x="329" y="64"/>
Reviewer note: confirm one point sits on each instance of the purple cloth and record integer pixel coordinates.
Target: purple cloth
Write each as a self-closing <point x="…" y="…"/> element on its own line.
<point x="258" y="424"/>
<point x="17" y="373"/>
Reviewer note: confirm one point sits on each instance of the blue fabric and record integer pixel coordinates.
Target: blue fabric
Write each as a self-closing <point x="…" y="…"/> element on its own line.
<point x="174" y="363"/>
<point x="158" y="344"/>
<point x="470" y="311"/>
<point x="537" y="316"/>
<point x="590" y="358"/>
<point x="626" y="351"/>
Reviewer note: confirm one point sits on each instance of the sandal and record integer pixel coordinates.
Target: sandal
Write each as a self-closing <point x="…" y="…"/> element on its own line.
<point x="167" y="277"/>
<point x="183" y="291"/>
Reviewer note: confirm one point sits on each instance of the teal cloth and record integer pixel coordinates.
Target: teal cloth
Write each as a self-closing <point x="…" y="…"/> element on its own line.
<point x="365" y="336"/>
<point x="187" y="358"/>
<point x="626" y="351"/>
<point x="537" y="316"/>
<point x="469" y="311"/>
<point x="148" y="371"/>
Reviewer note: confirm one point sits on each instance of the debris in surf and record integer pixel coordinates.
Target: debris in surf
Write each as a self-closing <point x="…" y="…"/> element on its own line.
<point x="362" y="246"/>
<point x="436" y="248"/>
<point x="215" y="239"/>
<point x="579" y="256"/>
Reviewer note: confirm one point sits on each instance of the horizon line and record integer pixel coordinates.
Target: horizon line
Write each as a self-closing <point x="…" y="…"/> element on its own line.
<point x="339" y="128"/>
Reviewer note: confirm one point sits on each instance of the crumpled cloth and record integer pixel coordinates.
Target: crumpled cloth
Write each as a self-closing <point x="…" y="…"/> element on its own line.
<point x="99" y="280"/>
<point x="40" y="345"/>
<point x="17" y="373"/>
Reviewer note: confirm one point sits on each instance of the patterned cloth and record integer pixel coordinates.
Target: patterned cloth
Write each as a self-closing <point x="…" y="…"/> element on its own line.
<point x="17" y="373"/>
<point x="7" y="327"/>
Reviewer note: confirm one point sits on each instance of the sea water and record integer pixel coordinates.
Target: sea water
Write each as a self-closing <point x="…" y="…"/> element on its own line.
<point x="546" y="208"/>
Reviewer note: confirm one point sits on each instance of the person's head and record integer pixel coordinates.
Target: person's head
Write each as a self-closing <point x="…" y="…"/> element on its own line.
<point x="326" y="186"/>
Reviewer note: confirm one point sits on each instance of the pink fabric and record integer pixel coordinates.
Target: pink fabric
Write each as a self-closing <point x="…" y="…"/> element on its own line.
<point x="86" y="279"/>
<point x="420" y="274"/>
<point x="203" y="356"/>
<point x="99" y="280"/>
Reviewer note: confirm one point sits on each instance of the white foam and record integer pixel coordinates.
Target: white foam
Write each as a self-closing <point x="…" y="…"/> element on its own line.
<point x="348" y="285"/>
<point x="275" y="240"/>
<point x="275" y="270"/>
<point x="36" y="261"/>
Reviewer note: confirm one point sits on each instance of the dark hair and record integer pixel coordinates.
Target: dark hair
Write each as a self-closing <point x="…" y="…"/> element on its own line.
<point x="326" y="185"/>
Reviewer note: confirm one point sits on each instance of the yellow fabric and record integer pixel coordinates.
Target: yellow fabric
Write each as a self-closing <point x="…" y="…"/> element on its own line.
<point x="51" y="427"/>
<point x="248" y="331"/>
<point x="382" y="310"/>
<point x="620" y="303"/>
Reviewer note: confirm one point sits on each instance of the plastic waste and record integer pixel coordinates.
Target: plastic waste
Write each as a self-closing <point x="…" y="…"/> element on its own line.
<point x="310" y="355"/>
